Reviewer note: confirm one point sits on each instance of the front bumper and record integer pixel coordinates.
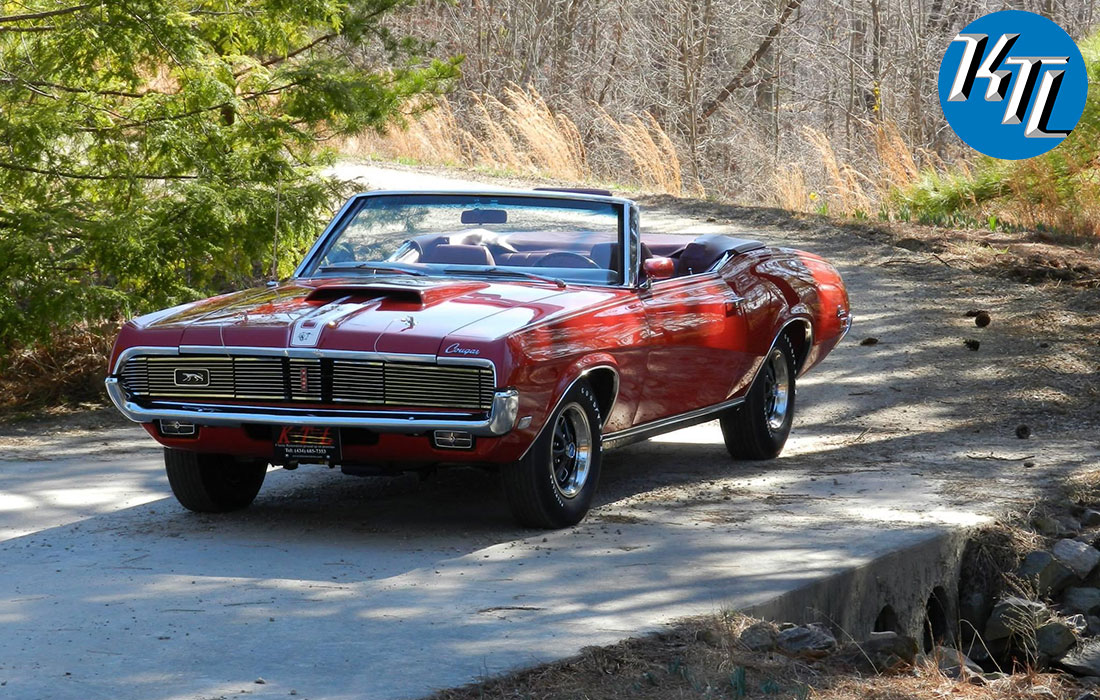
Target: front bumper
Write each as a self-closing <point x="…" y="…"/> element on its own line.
<point x="500" y="420"/>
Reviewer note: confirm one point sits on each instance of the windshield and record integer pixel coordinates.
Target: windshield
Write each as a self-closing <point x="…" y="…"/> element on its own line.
<point x="571" y="240"/>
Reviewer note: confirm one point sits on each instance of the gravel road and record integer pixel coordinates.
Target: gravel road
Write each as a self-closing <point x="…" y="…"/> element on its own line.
<point x="338" y="587"/>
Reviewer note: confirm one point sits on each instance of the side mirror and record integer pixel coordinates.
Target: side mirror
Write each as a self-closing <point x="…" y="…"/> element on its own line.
<point x="659" y="268"/>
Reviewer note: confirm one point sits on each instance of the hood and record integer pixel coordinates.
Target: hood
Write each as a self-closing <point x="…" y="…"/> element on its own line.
<point x="389" y="315"/>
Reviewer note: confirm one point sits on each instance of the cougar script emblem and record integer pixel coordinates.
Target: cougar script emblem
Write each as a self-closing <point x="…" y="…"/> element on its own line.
<point x="456" y="349"/>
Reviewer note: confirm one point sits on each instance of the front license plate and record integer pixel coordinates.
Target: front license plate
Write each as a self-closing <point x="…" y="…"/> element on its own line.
<point x="307" y="444"/>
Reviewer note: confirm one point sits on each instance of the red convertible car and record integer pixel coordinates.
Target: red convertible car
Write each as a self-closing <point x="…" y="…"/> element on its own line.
<point x="523" y="331"/>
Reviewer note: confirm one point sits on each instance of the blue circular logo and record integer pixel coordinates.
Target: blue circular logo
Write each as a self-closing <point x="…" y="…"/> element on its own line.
<point x="1013" y="84"/>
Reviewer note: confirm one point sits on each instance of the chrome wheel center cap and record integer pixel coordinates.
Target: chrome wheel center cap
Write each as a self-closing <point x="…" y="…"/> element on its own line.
<point x="571" y="450"/>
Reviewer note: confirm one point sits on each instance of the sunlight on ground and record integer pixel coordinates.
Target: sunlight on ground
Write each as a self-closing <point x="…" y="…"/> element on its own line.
<point x="933" y="517"/>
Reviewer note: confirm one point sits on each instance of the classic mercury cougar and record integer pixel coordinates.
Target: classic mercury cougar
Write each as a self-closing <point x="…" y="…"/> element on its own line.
<point x="527" y="332"/>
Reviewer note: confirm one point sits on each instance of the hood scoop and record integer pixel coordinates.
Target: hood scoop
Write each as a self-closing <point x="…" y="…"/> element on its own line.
<point x="411" y="291"/>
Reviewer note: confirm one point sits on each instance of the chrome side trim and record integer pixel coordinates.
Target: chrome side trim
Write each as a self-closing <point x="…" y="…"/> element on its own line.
<point x="645" y="431"/>
<point x="501" y="419"/>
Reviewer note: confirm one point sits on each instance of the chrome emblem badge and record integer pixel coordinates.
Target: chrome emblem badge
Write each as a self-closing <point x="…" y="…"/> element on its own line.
<point x="303" y="379"/>
<point x="191" y="377"/>
<point x="409" y="322"/>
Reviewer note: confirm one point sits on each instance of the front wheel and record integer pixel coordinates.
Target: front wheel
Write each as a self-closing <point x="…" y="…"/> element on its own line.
<point x="758" y="428"/>
<point x="212" y="483"/>
<point x="553" y="485"/>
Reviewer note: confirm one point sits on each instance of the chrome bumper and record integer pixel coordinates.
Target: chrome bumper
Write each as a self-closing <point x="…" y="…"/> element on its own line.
<point x="501" y="418"/>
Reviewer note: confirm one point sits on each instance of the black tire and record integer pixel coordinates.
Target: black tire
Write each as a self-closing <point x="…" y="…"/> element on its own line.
<point x="753" y="429"/>
<point x="553" y="485"/>
<point x="212" y="483"/>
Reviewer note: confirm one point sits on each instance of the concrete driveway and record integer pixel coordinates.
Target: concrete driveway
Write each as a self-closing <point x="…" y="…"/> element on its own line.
<point x="339" y="587"/>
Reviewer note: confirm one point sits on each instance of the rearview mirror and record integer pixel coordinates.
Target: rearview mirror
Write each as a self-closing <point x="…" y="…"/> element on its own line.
<point x="659" y="268"/>
<point x="485" y="216"/>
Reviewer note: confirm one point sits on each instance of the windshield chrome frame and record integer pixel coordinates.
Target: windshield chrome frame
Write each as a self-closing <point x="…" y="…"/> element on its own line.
<point x="628" y="224"/>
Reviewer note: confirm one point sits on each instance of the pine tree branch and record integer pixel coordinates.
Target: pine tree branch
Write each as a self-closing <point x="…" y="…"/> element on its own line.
<point x="26" y="30"/>
<point x="90" y="176"/>
<point x="279" y="59"/>
<point x="42" y="15"/>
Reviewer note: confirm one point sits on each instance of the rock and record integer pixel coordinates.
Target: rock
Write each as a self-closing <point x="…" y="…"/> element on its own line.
<point x="975" y="606"/>
<point x="260" y="681"/>
<point x="1023" y="432"/>
<point x="1081" y="600"/>
<point x="952" y="662"/>
<point x="1046" y="526"/>
<point x="1087" y="696"/>
<point x="988" y="652"/>
<point x="972" y="344"/>
<point x="982" y="319"/>
<point x="812" y="640"/>
<point x="1054" y="639"/>
<point x="912" y="244"/>
<point x="869" y="341"/>
<point x="710" y="637"/>
<point x="1071" y="527"/>
<point x="881" y="652"/>
<point x="1013" y="615"/>
<point x="1049" y="575"/>
<point x="1084" y="660"/>
<point x="1090" y="517"/>
<point x="1093" y="629"/>
<point x="760" y="636"/>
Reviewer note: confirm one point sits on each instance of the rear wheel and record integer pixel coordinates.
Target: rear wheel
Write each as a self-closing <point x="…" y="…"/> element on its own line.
<point x="758" y="428"/>
<point x="553" y="485"/>
<point x="212" y="483"/>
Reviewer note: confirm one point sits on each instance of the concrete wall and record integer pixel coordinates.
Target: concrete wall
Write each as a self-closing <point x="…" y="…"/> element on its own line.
<point x="906" y="580"/>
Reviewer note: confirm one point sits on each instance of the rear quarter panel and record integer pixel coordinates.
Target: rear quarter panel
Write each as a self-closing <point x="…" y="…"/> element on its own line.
<point x="782" y="285"/>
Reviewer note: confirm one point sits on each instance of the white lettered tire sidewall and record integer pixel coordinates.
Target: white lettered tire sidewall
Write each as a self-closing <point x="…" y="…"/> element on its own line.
<point x="535" y="494"/>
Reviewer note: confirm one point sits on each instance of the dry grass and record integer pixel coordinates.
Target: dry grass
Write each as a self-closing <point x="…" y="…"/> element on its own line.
<point x="701" y="660"/>
<point x="521" y="134"/>
<point x="837" y="186"/>
<point x="70" y="368"/>
<point x="656" y="163"/>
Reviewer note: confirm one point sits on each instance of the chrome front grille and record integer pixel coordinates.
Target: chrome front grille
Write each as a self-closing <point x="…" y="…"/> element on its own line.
<point x="355" y="381"/>
<point x="317" y="380"/>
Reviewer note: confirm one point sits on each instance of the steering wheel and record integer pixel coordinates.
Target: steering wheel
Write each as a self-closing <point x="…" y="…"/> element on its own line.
<point x="564" y="259"/>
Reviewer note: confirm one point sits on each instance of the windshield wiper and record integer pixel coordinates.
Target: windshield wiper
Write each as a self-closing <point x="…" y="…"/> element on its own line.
<point x="376" y="267"/>
<point x="504" y="273"/>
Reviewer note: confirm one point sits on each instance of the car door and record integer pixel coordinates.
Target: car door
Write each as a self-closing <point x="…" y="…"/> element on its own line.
<point x="695" y="350"/>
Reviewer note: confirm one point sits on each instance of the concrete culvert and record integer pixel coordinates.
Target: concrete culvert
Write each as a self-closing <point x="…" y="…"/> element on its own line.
<point x="887" y="620"/>
<point x="936" y="627"/>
